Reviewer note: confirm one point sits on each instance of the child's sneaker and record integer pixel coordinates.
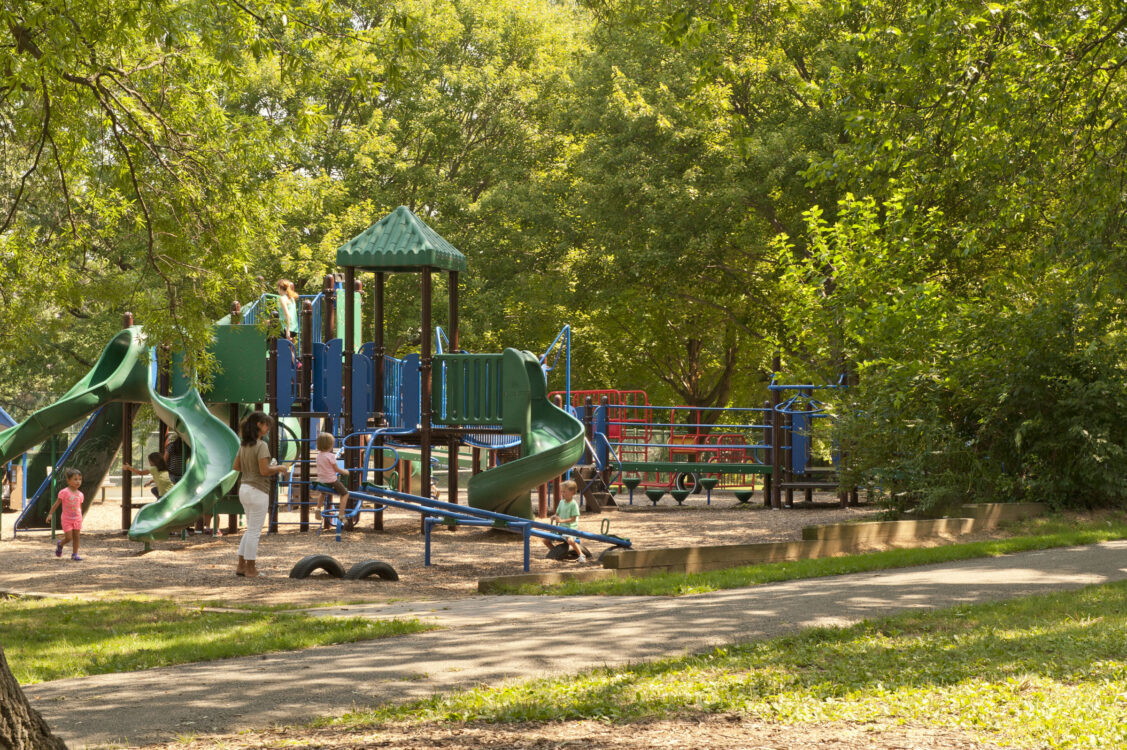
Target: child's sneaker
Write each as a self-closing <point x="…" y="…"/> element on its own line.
<point x="582" y="558"/>
<point x="59" y="549"/>
<point x="75" y="557"/>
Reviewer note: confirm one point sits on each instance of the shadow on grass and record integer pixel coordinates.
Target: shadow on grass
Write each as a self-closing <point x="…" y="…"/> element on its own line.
<point x="49" y="639"/>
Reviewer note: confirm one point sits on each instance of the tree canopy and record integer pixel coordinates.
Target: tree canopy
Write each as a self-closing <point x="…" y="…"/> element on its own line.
<point x="929" y="195"/>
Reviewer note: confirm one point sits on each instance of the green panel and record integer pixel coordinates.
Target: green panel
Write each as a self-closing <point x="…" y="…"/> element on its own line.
<point x="472" y="387"/>
<point x="400" y="242"/>
<point x="241" y="355"/>
<point x="357" y="317"/>
<point x="551" y="440"/>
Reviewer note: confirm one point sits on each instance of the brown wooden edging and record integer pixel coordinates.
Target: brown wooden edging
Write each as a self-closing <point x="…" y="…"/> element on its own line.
<point x="826" y="541"/>
<point x="876" y="532"/>
<point x="989" y="515"/>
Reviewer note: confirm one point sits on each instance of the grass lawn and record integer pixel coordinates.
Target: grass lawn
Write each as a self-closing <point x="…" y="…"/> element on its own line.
<point x="1043" y="671"/>
<point x="51" y="639"/>
<point x="1033" y="534"/>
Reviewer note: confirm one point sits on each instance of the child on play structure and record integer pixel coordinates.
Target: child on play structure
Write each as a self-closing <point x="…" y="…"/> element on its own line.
<point x="327" y="470"/>
<point x="162" y="481"/>
<point x="287" y="308"/>
<point x="71" y="498"/>
<point x="567" y="514"/>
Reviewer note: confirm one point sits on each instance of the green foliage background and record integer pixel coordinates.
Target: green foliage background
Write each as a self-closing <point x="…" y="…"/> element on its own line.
<point x="928" y="195"/>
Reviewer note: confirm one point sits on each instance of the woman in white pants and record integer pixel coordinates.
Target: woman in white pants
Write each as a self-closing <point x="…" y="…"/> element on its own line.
<point x="253" y="463"/>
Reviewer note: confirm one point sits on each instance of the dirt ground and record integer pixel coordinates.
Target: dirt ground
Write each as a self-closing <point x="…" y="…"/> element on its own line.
<point x="724" y="732"/>
<point x="201" y="567"/>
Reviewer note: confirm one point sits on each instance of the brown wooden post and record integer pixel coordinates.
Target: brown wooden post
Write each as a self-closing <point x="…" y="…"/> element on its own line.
<point x="475" y="459"/>
<point x="453" y="453"/>
<point x="455" y="346"/>
<point x="306" y="392"/>
<point x="127" y="413"/>
<point x="425" y="357"/>
<point x="405" y="476"/>
<point x="588" y="429"/>
<point x="605" y="403"/>
<point x="328" y="308"/>
<point x="379" y="352"/>
<point x="542" y="501"/>
<point x="776" y="440"/>
<point x="347" y="416"/>
<point x="788" y="456"/>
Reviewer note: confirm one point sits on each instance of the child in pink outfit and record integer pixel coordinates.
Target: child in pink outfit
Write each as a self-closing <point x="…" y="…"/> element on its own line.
<point x="327" y="469"/>
<point x="71" y="498"/>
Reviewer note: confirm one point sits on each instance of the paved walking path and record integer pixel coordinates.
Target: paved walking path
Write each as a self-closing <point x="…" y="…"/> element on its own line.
<point x="490" y="639"/>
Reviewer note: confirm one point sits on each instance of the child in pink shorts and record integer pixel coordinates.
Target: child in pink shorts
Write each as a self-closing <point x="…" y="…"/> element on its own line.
<point x="71" y="498"/>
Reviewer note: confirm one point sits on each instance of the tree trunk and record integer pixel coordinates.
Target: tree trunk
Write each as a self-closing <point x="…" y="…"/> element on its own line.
<point x="21" y="726"/>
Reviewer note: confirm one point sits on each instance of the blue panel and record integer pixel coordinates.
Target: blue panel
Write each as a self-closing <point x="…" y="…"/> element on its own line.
<point x="410" y="403"/>
<point x="800" y="443"/>
<point x="393" y="391"/>
<point x="286" y="369"/>
<point x="328" y="369"/>
<point x="363" y="375"/>
<point x="602" y="448"/>
<point x="318" y="396"/>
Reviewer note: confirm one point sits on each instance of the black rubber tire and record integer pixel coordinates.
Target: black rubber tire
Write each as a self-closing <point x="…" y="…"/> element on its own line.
<point x="306" y="565"/>
<point x="558" y="551"/>
<point x="687" y="480"/>
<point x="608" y="550"/>
<point x="368" y="568"/>
<point x="562" y="551"/>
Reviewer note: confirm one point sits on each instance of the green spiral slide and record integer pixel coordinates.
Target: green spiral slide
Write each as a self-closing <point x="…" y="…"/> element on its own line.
<point x="551" y="440"/>
<point x="123" y="373"/>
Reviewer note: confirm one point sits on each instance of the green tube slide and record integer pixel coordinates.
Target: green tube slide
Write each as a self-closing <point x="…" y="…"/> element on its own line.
<point x="551" y="440"/>
<point x="123" y="373"/>
<point x="207" y="477"/>
<point x="120" y="374"/>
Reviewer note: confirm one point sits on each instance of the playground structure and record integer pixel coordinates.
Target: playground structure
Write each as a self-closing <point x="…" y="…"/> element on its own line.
<point x="327" y="379"/>
<point x="680" y="450"/>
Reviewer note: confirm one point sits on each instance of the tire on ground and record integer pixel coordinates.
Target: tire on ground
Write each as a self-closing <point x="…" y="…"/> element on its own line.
<point x="688" y="480"/>
<point x="369" y="568"/>
<point x="306" y="565"/>
<point x="608" y="550"/>
<point x="562" y="551"/>
<point x="558" y="551"/>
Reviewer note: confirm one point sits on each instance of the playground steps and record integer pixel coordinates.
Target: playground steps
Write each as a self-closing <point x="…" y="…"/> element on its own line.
<point x="596" y="495"/>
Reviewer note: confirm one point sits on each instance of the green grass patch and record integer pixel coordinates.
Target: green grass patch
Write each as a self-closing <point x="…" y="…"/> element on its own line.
<point x="1053" y="532"/>
<point x="51" y="639"/>
<point x="1043" y="671"/>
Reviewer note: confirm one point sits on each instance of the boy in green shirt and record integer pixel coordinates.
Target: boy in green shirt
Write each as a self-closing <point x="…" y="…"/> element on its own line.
<point x="567" y="514"/>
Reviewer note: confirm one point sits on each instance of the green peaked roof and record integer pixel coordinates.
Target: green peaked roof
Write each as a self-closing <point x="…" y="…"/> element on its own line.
<point x="400" y="242"/>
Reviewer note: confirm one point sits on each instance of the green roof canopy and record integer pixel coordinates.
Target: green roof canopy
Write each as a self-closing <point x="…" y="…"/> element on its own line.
<point x="400" y="242"/>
